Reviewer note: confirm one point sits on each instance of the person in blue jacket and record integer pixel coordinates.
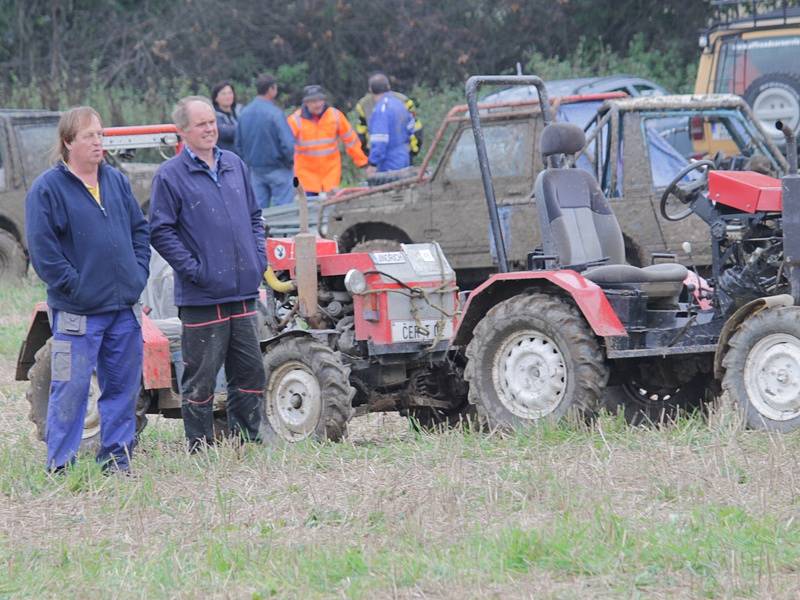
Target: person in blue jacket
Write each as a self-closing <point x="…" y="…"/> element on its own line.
<point x="223" y="97"/>
<point x="206" y="223"/>
<point x="88" y="241"/>
<point x="266" y="144"/>
<point x="391" y="125"/>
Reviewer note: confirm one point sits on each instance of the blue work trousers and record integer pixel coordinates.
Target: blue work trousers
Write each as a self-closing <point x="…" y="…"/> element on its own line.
<point x="272" y="187"/>
<point x="111" y="343"/>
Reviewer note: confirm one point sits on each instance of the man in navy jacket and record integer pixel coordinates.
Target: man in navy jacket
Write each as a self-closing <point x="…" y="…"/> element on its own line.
<point x="88" y="241"/>
<point x="205" y="222"/>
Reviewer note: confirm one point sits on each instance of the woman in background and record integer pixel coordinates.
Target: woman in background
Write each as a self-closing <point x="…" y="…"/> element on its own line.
<point x="223" y="96"/>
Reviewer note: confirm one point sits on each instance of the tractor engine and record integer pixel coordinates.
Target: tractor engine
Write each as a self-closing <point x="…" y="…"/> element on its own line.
<point x="390" y="315"/>
<point x="747" y="237"/>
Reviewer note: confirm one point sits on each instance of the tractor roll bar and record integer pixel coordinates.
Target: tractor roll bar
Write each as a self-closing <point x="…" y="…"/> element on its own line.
<point x="473" y="83"/>
<point x="791" y="146"/>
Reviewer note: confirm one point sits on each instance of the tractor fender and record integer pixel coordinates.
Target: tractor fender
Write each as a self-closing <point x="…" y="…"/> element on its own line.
<point x="39" y="331"/>
<point x="736" y="319"/>
<point x="587" y="295"/>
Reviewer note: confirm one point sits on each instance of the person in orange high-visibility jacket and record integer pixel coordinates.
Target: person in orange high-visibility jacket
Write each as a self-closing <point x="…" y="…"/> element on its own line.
<point x="317" y="129"/>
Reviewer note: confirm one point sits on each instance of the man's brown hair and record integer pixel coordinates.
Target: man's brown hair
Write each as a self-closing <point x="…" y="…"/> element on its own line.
<point x="69" y="125"/>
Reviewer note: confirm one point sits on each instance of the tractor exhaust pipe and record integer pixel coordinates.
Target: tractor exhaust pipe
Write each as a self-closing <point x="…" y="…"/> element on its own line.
<point x="791" y="146"/>
<point x="790" y="184"/>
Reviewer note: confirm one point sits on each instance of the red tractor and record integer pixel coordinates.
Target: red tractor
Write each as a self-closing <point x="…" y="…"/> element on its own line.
<point x="581" y="329"/>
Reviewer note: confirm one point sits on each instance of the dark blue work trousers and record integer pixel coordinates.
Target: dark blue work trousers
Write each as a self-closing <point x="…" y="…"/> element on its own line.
<point x="111" y="343"/>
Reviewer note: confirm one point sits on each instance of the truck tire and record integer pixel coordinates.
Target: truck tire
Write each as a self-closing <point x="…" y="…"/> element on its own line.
<point x="762" y="369"/>
<point x="532" y="357"/>
<point x="13" y="261"/>
<point x="642" y="404"/>
<point x="308" y="392"/>
<point x="774" y="97"/>
<point x="38" y="396"/>
<point x="376" y="246"/>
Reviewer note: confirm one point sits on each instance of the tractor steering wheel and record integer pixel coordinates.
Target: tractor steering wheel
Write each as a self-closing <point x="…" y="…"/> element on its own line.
<point x="685" y="193"/>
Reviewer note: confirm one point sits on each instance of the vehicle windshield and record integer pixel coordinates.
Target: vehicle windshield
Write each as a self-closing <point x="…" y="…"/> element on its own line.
<point x="743" y="61"/>
<point x="36" y="140"/>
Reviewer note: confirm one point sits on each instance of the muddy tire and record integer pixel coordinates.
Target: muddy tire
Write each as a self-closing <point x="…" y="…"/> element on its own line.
<point x="775" y="97"/>
<point x="376" y="246"/>
<point x="38" y="396"/>
<point x="533" y="357"/>
<point x="308" y="392"/>
<point x="762" y="370"/>
<point x="13" y="261"/>
<point x="643" y="404"/>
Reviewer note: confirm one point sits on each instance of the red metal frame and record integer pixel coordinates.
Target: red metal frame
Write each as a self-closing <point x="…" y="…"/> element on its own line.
<point x="145" y="130"/>
<point x="745" y="191"/>
<point x="589" y="297"/>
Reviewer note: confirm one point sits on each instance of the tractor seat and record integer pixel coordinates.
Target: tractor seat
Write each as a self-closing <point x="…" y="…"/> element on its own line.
<point x="579" y="227"/>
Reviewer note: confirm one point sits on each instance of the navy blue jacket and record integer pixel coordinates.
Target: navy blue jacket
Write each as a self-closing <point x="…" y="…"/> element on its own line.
<point x="226" y="126"/>
<point x="210" y="232"/>
<point x="93" y="258"/>
<point x="263" y="137"/>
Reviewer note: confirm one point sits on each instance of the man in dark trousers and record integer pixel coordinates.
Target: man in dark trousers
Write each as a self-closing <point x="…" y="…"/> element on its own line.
<point x="206" y="223"/>
<point x="266" y="144"/>
<point x="88" y="242"/>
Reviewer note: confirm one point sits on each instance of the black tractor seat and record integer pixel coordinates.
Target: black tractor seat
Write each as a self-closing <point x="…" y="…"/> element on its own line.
<point x="579" y="227"/>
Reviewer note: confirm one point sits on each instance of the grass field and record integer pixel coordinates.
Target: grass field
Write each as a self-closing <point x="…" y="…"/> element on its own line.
<point x="698" y="509"/>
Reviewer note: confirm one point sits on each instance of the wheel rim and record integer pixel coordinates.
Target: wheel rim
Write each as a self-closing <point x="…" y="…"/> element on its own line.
<point x="776" y="104"/>
<point x="293" y="401"/>
<point x="772" y="377"/>
<point x="91" y="423"/>
<point x="529" y="374"/>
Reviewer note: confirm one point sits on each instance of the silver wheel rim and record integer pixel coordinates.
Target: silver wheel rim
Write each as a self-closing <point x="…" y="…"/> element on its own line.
<point x="529" y="375"/>
<point x="776" y="104"/>
<point x="91" y="423"/>
<point x="293" y="401"/>
<point x="772" y="377"/>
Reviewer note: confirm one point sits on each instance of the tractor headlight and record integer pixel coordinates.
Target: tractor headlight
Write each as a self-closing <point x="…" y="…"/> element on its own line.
<point x="355" y="282"/>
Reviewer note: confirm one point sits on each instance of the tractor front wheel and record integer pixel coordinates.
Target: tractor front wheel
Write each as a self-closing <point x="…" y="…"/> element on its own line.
<point x="308" y="392"/>
<point x="532" y="357"/>
<point x="762" y="369"/>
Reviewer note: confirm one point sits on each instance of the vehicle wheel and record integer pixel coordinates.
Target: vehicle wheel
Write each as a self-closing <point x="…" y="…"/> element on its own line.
<point x="142" y="406"/>
<point x="38" y="395"/>
<point x="376" y="246"/>
<point x="13" y="261"/>
<point x="762" y="369"/>
<point x="443" y="383"/>
<point x="647" y="404"/>
<point x="775" y="97"/>
<point x="308" y="394"/>
<point x="531" y="357"/>
<point x="428" y="418"/>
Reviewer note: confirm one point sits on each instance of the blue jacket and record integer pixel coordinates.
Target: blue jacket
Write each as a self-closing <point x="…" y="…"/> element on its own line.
<point x="226" y="126"/>
<point x="93" y="258"/>
<point x="263" y="137"/>
<point x="390" y="128"/>
<point x="209" y="231"/>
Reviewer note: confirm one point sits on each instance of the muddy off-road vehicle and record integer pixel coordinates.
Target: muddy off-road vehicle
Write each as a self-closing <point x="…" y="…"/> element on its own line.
<point x="27" y="139"/>
<point x="445" y="202"/>
<point x="751" y="48"/>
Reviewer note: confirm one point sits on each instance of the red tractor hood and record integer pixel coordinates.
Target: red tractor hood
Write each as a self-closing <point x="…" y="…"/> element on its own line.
<point x="745" y="191"/>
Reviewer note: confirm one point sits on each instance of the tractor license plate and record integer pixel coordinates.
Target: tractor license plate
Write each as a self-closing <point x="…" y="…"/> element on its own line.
<point x="420" y="331"/>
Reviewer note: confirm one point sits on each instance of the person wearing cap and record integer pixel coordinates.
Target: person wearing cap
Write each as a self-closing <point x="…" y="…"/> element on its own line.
<point x="317" y="129"/>
<point x="366" y="105"/>
<point x="265" y="143"/>
<point x="391" y="126"/>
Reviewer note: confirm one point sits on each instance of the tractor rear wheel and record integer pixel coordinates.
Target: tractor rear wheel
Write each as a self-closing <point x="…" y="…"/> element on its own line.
<point x="308" y="392"/>
<point x="762" y="369"/>
<point x="532" y="357"/>
<point x="38" y="395"/>
<point x="13" y="262"/>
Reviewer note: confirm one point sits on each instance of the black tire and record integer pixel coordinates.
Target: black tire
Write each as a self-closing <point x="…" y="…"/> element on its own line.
<point x="762" y="369"/>
<point x="443" y="383"/>
<point x="778" y="93"/>
<point x="553" y="330"/>
<point x="377" y="245"/>
<point x="430" y="419"/>
<point x="303" y="370"/>
<point x="643" y="404"/>
<point x="38" y="396"/>
<point x="391" y="176"/>
<point x="13" y="261"/>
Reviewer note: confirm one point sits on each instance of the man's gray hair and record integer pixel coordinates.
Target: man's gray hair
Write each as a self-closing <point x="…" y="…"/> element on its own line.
<point x="180" y="114"/>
